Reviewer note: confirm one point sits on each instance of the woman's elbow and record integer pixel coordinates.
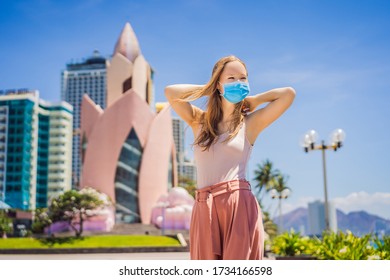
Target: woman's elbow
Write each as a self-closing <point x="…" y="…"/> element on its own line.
<point x="290" y="91"/>
<point x="168" y="91"/>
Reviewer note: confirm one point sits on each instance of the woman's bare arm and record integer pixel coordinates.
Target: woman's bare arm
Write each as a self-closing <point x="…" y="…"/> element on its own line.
<point x="188" y="112"/>
<point x="279" y="100"/>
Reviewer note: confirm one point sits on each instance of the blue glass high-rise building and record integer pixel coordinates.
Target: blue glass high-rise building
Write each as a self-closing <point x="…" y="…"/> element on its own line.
<point x="35" y="149"/>
<point x="16" y="125"/>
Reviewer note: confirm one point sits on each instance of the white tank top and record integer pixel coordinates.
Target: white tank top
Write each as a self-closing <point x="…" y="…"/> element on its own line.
<point x="223" y="161"/>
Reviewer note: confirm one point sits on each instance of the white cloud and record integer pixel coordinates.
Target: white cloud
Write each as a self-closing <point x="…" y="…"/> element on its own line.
<point x="377" y="203"/>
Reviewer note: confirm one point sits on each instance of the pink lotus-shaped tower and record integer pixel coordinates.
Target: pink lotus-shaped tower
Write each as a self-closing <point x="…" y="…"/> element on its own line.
<point x="128" y="150"/>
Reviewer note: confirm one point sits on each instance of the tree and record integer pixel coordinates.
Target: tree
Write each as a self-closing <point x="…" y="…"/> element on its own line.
<point x="41" y="220"/>
<point x="268" y="178"/>
<point x="280" y="183"/>
<point x="269" y="226"/>
<point x="280" y="190"/>
<point x="74" y="207"/>
<point x="6" y="226"/>
<point x="264" y="177"/>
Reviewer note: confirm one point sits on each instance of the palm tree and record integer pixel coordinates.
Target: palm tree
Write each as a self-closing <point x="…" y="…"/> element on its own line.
<point x="281" y="191"/>
<point x="264" y="176"/>
<point x="269" y="226"/>
<point x="280" y="183"/>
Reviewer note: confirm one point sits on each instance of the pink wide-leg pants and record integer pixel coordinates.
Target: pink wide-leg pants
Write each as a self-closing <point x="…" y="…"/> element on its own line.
<point x="226" y="223"/>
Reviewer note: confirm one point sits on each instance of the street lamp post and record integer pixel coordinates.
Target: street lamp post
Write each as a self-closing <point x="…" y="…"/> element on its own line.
<point x="280" y="195"/>
<point x="308" y="144"/>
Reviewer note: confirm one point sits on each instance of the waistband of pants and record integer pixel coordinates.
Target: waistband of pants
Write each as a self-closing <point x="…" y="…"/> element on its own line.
<point x="223" y="187"/>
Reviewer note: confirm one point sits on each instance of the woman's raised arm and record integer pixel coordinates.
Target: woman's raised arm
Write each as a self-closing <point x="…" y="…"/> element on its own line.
<point x="279" y="100"/>
<point x="176" y="96"/>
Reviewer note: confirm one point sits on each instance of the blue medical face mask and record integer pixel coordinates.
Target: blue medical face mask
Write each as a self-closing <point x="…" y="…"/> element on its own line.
<point x="235" y="92"/>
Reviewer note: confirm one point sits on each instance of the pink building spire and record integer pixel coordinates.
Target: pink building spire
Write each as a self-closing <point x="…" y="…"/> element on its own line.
<point x="127" y="44"/>
<point x="128" y="150"/>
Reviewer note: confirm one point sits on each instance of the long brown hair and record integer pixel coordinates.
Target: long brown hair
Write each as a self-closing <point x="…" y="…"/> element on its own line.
<point x="213" y="115"/>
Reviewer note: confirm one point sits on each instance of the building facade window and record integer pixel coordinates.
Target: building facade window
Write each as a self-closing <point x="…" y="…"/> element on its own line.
<point x="126" y="180"/>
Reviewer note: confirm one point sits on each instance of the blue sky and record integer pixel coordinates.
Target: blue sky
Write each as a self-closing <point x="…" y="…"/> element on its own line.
<point x="334" y="53"/>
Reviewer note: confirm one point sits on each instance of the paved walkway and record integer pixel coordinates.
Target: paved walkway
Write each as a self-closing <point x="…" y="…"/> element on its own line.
<point x="122" y="256"/>
<point x="115" y="256"/>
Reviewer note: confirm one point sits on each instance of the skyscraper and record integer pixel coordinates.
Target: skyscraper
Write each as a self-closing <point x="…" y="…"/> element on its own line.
<point x="88" y="77"/>
<point x="35" y="145"/>
<point x="186" y="167"/>
<point x="316" y="217"/>
<point x="178" y="136"/>
<point x="54" y="150"/>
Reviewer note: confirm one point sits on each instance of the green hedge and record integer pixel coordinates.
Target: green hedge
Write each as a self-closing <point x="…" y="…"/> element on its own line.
<point x="332" y="246"/>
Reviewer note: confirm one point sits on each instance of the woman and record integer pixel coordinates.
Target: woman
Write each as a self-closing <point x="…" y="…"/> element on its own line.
<point x="226" y="219"/>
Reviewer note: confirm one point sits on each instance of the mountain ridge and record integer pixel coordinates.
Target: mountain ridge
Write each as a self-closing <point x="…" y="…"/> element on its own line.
<point x="358" y="222"/>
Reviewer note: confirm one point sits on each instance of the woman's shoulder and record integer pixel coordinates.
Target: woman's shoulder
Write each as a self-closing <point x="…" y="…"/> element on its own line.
<point x="196" y="128"/>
